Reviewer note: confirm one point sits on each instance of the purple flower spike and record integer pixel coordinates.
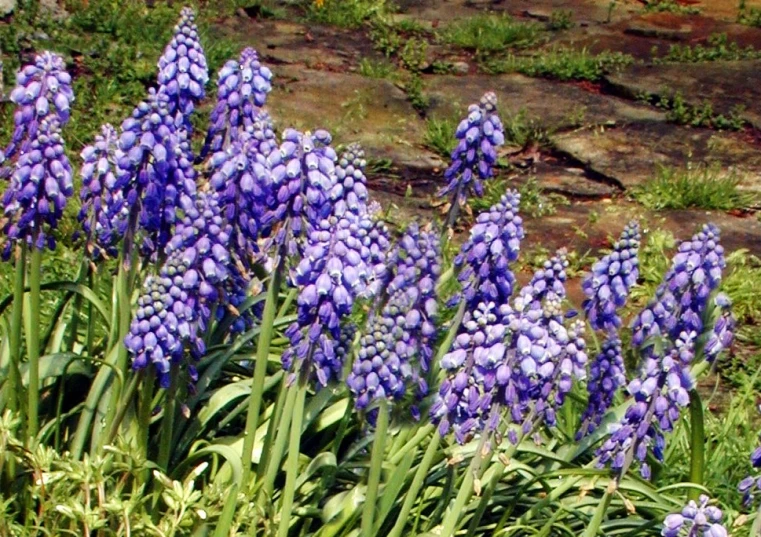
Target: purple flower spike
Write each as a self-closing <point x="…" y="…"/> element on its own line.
<point x="493" y="244"/>
<point x="696" y="520"/>
<point x="606" y="376"/>
<point x="480" y="134"/>
<point x="154" y="171"/>
<point x="397" y="348"/>
<point x="350" y="191"/>
<point x="43" y="90"/>
<point x="98" y="195"/>
<point x="183" y="72"/>
<point x="177" y="305"/>
<point x="242" y="88"/>
<point x="607" y="287"/>
<point x="40" y="185"/>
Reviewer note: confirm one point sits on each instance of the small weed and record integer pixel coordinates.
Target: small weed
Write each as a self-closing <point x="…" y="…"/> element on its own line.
<point x="669" y="6"/>
<point x="703" y="187"/>
<point x="376" y="69"/>
<point x="562" y="64"/>
<point x="743" y="285"/>
<point x="534" y="200"/>
<point x="439" y="135"/>
<point x="409" y="26"/>
<point x="522" y="131"/>
<point x="414" y="89"/>
<point x="440" y="67"/>
<point x="346" y="13"/>
<point x="749" y="16"/>
<point x="702" y="115"/>
<point x="560" y="20"/>
<point x="413" y="54"/>
<point x="491" y="33"/>
<point x="385" y="39"/>
<point x="718" y="48"/>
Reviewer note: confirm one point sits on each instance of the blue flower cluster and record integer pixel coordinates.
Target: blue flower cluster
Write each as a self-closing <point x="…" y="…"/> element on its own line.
<point x="751" y="485"/>
<point x="666" y="333"/>
<point x="242" y="88"/>
<point x="43" y="91"/>
<point x="350" y="191"/>
<point x="98" y="192"/>
<point x="397" y="349"/>
<point x="40" y="185"/>
<point x="183" y="72"/>
<point x="154" y="170"/>
<point x="474" y="157"/>
<point x="176" y="306"/>
<point x="607" y="289"/>
<point x="696" y="520"/>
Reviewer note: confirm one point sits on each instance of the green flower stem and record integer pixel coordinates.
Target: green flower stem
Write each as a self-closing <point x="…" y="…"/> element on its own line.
<point x="276" y="455"/>
<point x="417" y="483"/>
<point x="260" y="369"/>
<point x="376" y="466"/>
<point x="33" y="341"/>
<point x="449" y="526"/>
<point x="272" y="428"/>
<point x="144" y="413"/>
<point x="593" y="528"/>
<point x="167" y="423"/>
<point x="14" y="379"/>
<point x="411" y="444"/>
<point x="292" y="463"/>
<point x="125" y="403"/>
<point x="697" y="443"/>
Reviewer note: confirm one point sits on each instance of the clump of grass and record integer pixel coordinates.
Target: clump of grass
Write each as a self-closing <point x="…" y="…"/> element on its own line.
<point x="718" y="48"/>
<point x="702" y="187"/>
<point x="439" y="135"/>
<point x="749" y="16"/>
<point x="743" y="285"/>
<point x="535" y="201"/>
<point x="386" y="39"/>
<point x="376" y="69"/>
<point x="560" y="20"/>
<point x="523" y="131"/>
<point x="670" y="6"/>
<point x="413" y="54"/>
<point x="491" y="33"/>
<point x="562" y="63"/>
<point x="414" y="89"/>
<point x="702" y="115"/>
<point x="346" y="13"/>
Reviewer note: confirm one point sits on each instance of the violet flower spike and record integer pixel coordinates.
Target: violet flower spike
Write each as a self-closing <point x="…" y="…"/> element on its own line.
<point x="183" y="72"/>
<point x="98" y="195"/>
<point x="696" y="520"/>
<point x="350" y="191"/>
<point x="43" y="91"/>
<point x="242" y="88"/>
<point x="39" y="188"/>
<point x="480" y="134"/>
<point x="606" y="376"/>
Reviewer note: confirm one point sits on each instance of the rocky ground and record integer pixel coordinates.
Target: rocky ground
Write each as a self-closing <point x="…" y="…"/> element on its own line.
<point x="598" y="141"/>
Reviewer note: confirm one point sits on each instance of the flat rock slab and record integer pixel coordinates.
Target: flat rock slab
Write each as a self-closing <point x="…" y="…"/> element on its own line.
<point x="630" y="155"/>
<point x="354" y="109"/>
<point x="725" y="85"/>
<point x="555" y="105"/>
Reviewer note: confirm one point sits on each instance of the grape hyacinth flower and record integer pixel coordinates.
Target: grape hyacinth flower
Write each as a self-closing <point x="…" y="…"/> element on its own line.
<point x="242" y="88"/>
<point x="484" y="259"/>
<point x="666" y="333"/>
<point x="696" y="520"/>
<point x="397" y="348"/>
<point x="331" y="275"/>
<point x="98" y="195"/>
<point x="43" y="91"/>
<point x="183" y="72"/>
<point x="302" y="177"/>
<point x="154" y="171"/>
<point x="40" y="185"/>
<point x="350" y="191"/>
<point x="176" y="305"/>
<point x="607" y="287"/>
<point x="473" y="160"/>
<point x="751" y="485"/>
<point x="606" y="376"/>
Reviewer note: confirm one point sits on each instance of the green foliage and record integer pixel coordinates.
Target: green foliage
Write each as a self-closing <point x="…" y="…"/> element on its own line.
<point x="703" y="187"/>
<point x="414" y="89"/>
<point x="413" y="54"/>
<point x="670" y="6"/>
<point x="560" y="20"/>
<point x="439" y="135"/>
<point x="346" y="13"/>
<point x="718" y="48"/>
<point x="524" y="131"/>
<point x="376" y="69"/>
<point x="750" y="16"/>
<point x="535" y="201"/>
<point x="385" y="39"/>
<point x="491" y="33"/>
<point x="682" y="113"/>
<point x="562" y="63"/>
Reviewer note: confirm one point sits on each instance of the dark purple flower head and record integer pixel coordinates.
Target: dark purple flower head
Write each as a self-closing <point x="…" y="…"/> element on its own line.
<point x="607" y="287"/>
<point x="302" y="177"/>
<point x="98" y="195"/>
<point x="606" y="376"/>
<point x="154" y="170"/>
<point x="40" y="185"/>
<point x="479" y="135"/>
<point x="397" y="349"/>
<point x="242" y="88"/>
<point x="43" y="90"/>
<point x="350" y="191"/>
<point x="331" y="275"/>
<point x="177" y="305"/>
<point x="485" y="258"/>
<point x="183" y="72"/>
<point x="696" y="520"/>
